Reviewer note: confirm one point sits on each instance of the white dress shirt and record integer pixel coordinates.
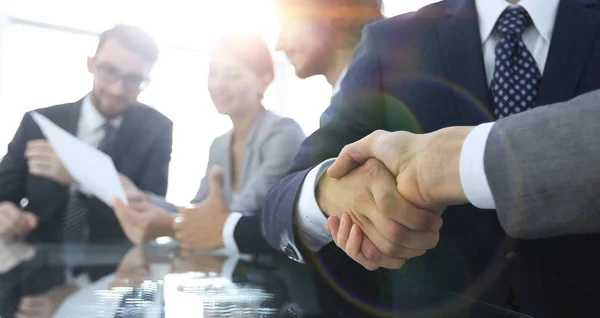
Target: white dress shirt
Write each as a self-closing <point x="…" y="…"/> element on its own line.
<point x="537" y="40"/>
<point x="89" y="128"/>
<point x="91" y="121"/>
<point x="310" y="218"/>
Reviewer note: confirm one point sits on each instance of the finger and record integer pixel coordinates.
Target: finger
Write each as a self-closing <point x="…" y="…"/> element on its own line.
<point x="29" y="302"/>
<point x="39" y="170"/>
<point x="216" y="181"/>
<point x="40" y="155"/>
<point x="30" y="220"/>
<point x="118" y="205"/>
<point x="141" y="206"/>
<point x="20" y="224"/>
<point x="351" y="156"/>
<point x="334" y="224"/>
<point x="353" y="249"/>
<point x="39" y="162"/>
<point x="344" y="231"/>
<point x="38" y="143"/>
<point x="354" y="242"/>
<point x="374" y="255"/>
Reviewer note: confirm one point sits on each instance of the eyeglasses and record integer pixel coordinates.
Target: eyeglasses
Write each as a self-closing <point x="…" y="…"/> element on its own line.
<point x="111" y="75"/>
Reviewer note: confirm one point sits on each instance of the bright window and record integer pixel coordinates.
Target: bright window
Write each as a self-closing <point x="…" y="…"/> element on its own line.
<point x="44" y="45"/>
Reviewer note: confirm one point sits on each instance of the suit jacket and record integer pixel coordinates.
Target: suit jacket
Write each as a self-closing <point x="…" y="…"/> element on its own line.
<point x="549" y="189"/>
<point x="141" y="151"/>
<point x="270" y="148"/>
<point x="424" y="71"/>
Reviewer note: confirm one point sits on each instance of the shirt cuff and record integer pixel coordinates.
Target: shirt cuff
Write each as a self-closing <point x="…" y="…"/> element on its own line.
<point x="229" y="232"/>
<point x="310" y="219"/>
<point x="472" y="172"/>
<point x="229" y="267"/>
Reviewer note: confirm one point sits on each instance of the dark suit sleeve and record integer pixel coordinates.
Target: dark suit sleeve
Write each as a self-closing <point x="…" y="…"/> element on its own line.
<point x="355" y="112"/>
<point x="247" y="236"/>
<point x="156" y="167"/>
<point x="13" y="168"/>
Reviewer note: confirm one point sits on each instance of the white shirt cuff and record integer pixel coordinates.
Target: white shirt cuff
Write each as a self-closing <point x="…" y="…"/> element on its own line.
<point x="309" y="217"/>
<point x="229" y="267"/>
<point x="229" y="232"/>
<point x="472" y="171"/>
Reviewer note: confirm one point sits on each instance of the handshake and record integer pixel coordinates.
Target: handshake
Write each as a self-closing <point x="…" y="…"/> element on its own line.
<point x="385" y="194"/>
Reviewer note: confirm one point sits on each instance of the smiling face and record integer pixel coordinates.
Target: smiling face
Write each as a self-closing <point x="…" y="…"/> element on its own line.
<point x="119" y="76"/>
<point x="240" y="71"/>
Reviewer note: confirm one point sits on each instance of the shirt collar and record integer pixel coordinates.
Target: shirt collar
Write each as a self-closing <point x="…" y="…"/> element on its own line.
<point x="91" y="119"/>
<point x="542" y="13"/>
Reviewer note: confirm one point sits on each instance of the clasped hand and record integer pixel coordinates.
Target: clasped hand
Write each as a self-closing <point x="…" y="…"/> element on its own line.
<point x="385" y="194"/>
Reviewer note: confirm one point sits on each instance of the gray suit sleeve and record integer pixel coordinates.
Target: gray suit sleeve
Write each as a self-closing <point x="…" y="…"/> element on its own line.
<point x="544" y="171"/>
<point x="279" y="148"/>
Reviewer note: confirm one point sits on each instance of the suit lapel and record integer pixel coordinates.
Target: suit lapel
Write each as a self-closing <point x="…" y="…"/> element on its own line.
<point x="70" y="122"/>
<point x="131" y="125"/>
<point x="574" y="32"/>
<point x="463" y="58"/>
<point x="253" y="136"/>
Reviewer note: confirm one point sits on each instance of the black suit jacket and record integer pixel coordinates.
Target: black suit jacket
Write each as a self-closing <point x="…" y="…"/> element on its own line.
<point x="141" y="151"/>
<point x="424" y="71"/>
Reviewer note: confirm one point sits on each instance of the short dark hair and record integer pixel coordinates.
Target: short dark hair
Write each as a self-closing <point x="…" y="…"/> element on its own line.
<point x="251" y="50"/>
<point x="350" y="16"/>
<point x="132" y="38"/>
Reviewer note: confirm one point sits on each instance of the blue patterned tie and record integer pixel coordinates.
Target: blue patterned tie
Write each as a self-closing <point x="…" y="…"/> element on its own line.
<point x="516" y="74"/>
<point x="75" y="224"/>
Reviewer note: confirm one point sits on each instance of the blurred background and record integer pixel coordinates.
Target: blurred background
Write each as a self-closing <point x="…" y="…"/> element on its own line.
<point x="44" y="45"/>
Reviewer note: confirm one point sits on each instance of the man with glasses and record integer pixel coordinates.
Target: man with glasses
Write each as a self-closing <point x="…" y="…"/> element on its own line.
<point x="38" y="197"/>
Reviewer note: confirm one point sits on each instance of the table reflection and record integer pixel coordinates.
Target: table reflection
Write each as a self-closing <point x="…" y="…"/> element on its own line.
<point x="159" y="280"/>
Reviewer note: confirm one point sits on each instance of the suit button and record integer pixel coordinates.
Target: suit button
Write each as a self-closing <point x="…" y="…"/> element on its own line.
<point x="512" y="259"/>
<point x="289" y="251"/>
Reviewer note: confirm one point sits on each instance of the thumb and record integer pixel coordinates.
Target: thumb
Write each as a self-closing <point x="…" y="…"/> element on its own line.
<point x="30" y="219"/>
<point x="216" y="180"/>
<point x="352" y="156"/>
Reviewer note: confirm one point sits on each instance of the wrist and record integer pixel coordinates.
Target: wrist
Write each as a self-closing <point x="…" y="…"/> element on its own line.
<point x="449" y="189"/>
<point x="164" y="226"/>
<point x="220" y="224"/>
<point x="321" y="194"/>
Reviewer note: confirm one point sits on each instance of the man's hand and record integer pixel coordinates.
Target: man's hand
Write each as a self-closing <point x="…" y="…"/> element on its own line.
<point x="426" y="167"/>
<point x="134" y="195"/>
<point x="349" y="237"/>
<point x="43" y="162"/>
<point x="201" y="226"/>
<point x="13" y="253"/>
<point x="14" y="221"/>
<point x="142" y="222"/>
<point x="395" y="226"/>
<point x="427" y="174"/>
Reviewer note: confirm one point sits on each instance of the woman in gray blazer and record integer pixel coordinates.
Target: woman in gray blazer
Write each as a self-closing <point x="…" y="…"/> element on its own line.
<point x="254" y="153"/>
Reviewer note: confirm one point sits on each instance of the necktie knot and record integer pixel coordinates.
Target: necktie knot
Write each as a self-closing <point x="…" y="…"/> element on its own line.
<point x="513" y="21"/>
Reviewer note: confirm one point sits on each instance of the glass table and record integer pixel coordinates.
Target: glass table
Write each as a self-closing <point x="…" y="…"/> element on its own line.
<point x="160" y="280"/>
